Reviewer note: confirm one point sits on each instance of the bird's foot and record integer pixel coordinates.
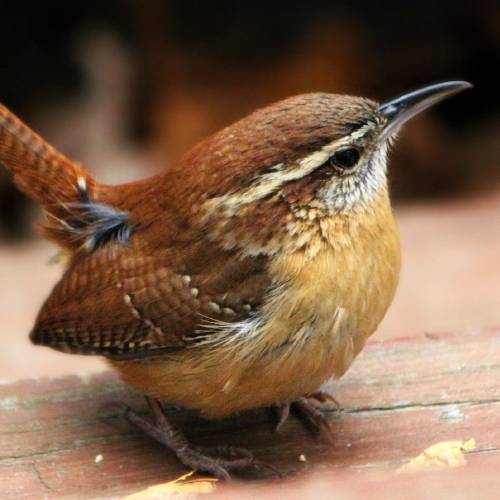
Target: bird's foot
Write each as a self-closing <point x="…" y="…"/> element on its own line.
<point x="219" y="461"/>
<point x="310" y="409"/>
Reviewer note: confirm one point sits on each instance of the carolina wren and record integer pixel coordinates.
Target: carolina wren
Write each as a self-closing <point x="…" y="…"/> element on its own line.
<point x="244" y="276"/>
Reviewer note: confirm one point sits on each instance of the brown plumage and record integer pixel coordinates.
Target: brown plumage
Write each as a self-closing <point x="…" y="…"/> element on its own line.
<point x="44" y="174"/>
<point x="245" y="275"/>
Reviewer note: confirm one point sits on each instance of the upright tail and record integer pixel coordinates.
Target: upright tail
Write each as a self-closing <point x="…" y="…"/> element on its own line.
<point x="66" y="192"/>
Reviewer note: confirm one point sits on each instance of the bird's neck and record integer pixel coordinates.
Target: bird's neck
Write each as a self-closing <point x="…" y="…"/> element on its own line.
<point x="274" y="228"/>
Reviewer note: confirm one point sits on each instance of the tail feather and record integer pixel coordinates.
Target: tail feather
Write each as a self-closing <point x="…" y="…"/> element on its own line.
<point x="39" y="169"/>
<point x="66" y="192"/>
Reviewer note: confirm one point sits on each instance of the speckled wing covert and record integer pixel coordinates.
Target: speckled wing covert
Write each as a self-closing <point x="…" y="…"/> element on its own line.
<point x="123" y="303"/>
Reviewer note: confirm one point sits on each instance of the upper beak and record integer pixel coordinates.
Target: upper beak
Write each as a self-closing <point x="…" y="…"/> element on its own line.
<point x="400" y="110"/>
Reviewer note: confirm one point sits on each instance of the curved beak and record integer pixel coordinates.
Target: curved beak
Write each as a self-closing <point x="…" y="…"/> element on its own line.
<point x="400" y="110"/>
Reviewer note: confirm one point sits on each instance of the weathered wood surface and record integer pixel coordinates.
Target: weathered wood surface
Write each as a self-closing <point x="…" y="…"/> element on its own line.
<point x="398" y="398"/>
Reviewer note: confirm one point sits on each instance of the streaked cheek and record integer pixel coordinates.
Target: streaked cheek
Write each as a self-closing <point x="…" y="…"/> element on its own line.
<point x="357" y="190"/>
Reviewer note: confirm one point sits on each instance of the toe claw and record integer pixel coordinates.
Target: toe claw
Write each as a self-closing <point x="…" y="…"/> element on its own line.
<point x="314" y="417"/>
<point x="199" y="462"/>
<point x="323" y="399"/>
<point x="283" y="412"/>
<point x="218" y="460"/>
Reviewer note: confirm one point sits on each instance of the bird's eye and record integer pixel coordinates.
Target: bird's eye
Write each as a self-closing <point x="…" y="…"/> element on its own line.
<point x="345" y="158"/>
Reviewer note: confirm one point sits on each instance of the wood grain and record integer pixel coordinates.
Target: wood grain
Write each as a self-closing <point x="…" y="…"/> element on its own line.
<point x="399" y="397"/>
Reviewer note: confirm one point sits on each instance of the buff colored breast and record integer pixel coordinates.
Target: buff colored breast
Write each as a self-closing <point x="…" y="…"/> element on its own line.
<point x="335" y="296"/>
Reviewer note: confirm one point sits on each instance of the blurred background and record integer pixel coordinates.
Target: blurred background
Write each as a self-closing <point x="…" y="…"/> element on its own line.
<point x="126" y="87"/>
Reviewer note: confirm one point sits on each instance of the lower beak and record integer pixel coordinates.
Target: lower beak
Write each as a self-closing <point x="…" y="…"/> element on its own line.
<point x="400" y="110"/>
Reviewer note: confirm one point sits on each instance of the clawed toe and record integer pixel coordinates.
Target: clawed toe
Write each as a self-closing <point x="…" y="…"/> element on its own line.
<point x="219" y="461"/>
<point x="230" y="458"/>
<point x="282" y="413"/>
<point x="324" y="401"/>
<point x="310" y="409"/>
<point x="314" y="418"/>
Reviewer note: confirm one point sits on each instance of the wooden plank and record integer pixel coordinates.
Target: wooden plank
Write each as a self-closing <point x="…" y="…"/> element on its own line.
<point x="399" y="397"/>
<point x="477" y="482"/>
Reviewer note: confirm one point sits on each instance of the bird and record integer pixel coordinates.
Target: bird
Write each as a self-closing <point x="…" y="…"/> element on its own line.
<point x="243" y="276"/>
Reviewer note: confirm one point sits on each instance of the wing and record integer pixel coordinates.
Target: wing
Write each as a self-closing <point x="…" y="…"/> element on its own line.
<point x="126" y="302"/>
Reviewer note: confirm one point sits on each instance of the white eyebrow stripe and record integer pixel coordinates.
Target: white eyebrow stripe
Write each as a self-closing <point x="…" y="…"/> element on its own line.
<point x="272" y="181"/>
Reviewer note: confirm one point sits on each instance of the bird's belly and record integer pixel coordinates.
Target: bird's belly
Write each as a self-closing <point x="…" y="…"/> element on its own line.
<point x="226" y="383"/>
<point x="312" y="332"/>
<point x="226" y="387"/>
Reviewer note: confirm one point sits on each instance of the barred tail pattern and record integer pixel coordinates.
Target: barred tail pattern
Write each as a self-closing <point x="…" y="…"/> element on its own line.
<point x="44" y="174"/>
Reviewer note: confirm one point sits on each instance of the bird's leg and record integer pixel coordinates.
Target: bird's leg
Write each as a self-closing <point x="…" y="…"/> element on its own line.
<point x="310" y="408"/>
<point x="218" y="461"/>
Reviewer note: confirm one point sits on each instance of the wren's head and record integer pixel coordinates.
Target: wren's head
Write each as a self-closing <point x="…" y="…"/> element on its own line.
<point x="307" y="157"/>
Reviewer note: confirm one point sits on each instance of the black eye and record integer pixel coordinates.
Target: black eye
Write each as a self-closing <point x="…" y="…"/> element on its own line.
<point x="345" y="158"/>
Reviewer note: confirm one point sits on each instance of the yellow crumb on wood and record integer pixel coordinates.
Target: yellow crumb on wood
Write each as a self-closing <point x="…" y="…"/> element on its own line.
<point x="439" y="455"/>
<point x="182" y="487"/>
